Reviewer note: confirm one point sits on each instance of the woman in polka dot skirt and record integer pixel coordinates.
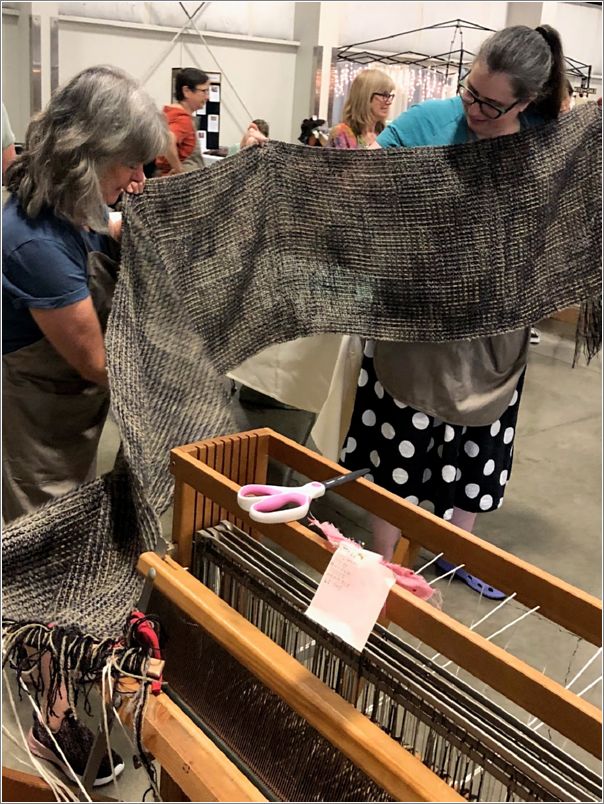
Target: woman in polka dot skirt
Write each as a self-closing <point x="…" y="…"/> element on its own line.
<point x="436" y="422"/>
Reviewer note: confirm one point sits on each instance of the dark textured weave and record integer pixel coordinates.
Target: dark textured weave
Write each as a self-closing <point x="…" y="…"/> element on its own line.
<point x="279" y="243"/>
<point x="429" y="244"/>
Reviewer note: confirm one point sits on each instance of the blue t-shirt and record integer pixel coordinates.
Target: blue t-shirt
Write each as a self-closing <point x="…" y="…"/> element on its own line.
<point x="436" y="122"/>
<point x="44" y="266"/>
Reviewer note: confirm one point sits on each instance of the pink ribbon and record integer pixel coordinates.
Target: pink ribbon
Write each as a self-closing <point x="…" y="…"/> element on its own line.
<point x="405" y="577"/>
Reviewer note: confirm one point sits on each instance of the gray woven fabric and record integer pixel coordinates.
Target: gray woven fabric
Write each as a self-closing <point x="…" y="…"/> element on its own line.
<point x="283" y="242"/>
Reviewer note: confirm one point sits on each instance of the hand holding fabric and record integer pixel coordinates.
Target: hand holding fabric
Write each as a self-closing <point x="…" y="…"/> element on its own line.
<point x="136" y="187"/>
<point x="253" y="136"/>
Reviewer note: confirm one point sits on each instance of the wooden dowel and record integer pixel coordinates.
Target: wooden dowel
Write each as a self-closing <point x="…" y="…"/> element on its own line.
<point x="191" y="759"/>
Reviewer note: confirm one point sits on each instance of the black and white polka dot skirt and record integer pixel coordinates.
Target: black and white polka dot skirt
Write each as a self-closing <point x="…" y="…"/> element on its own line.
<point x="425" y="460"/>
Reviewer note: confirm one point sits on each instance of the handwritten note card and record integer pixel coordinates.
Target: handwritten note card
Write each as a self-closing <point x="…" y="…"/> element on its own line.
<point x="351" y="594"/>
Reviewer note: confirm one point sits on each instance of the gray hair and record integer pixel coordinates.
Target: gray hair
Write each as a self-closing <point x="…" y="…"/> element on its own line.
<point x="533" y="61"/>
<point x="100" y="118"/>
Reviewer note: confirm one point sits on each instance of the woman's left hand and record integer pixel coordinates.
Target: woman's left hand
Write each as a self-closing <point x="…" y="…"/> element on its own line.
<point x="136" y="187"/>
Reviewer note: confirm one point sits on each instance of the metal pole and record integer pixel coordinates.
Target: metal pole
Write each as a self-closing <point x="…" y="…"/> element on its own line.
<point x="170" y="48"/>
<point x="460" y="65"/>
<point x="247" y="111"/>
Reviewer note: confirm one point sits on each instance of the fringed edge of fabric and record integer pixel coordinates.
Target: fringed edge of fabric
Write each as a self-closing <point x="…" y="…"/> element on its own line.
<point x="73" y="663"/>
<point x="588" y="336"/>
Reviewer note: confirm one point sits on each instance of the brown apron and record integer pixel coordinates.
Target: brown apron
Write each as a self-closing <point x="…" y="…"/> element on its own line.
<point x="468" y="383"/>
<point x="52" y="418"/>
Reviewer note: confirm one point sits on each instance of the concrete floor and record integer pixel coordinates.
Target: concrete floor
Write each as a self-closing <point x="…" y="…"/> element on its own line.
<point x="551" y="517"/>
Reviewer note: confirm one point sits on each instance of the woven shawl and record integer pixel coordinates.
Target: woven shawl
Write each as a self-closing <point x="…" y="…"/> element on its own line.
<point x="282" y="242"/>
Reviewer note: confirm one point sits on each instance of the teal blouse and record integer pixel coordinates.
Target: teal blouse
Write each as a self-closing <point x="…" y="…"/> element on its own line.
<point x="436" y="122"/>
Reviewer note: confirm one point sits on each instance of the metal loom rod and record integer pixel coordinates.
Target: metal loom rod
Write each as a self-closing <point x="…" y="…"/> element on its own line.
<point x="576" y="719"/>
<point x="560" y="602"/>
<point x="491" y="734"/>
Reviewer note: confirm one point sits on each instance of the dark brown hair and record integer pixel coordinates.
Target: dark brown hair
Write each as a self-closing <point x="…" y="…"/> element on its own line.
<point x="534" y="61"/>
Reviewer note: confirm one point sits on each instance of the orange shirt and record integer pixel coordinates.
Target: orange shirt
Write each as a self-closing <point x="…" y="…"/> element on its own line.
<point x="180" y="123"/>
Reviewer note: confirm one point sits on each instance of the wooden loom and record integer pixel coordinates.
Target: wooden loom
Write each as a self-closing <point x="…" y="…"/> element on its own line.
<point x="207" y="477"/>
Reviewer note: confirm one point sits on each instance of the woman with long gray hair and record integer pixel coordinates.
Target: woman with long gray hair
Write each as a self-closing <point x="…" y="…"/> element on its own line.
<point x="437" y="421"/>
<point x="81" y="152"/>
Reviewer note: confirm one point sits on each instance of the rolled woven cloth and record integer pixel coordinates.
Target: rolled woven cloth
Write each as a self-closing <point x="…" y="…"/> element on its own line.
<point x="282" y="242"/>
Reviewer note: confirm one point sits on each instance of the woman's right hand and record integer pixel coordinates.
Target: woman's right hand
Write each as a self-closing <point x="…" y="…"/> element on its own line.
<point x="253" y="136"/>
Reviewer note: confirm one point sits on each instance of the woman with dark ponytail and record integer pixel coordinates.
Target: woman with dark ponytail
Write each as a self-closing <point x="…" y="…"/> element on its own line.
<point x="533" y="61"/>
<point x="437" y="421"/>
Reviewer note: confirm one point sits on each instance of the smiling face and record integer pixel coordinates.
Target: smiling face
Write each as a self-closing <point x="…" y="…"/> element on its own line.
<point x="379" y="105"/>
<point x="195" y="98"/>
<point x="495" y="89"/>
<point x="116" y="178"/>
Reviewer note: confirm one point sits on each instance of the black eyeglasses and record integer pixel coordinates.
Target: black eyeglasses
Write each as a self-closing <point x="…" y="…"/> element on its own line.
<point x="387" y="97"/>
<point x="490" y="110"/>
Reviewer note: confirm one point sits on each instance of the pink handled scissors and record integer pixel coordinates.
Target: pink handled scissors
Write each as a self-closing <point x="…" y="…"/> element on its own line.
<point x="272" y="504"/>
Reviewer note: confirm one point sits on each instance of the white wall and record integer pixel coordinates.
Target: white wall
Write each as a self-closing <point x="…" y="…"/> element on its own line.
<point x="262" y="74"/>
<point x="580" y="26"/>
<point x="272" y="19"/>
<point x="16" y="103"/>
<point x="581" y="30"/>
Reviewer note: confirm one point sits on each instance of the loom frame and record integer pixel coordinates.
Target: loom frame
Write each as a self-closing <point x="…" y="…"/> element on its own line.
<point x="208" y="475"/>
<point x="393" y="767"/>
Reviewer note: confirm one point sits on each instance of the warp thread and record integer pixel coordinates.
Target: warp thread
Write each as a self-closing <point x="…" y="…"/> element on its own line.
<point x="75" y="661"/>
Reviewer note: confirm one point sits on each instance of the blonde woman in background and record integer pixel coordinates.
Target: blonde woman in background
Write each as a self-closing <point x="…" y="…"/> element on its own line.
<point x="365" y="112"/>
